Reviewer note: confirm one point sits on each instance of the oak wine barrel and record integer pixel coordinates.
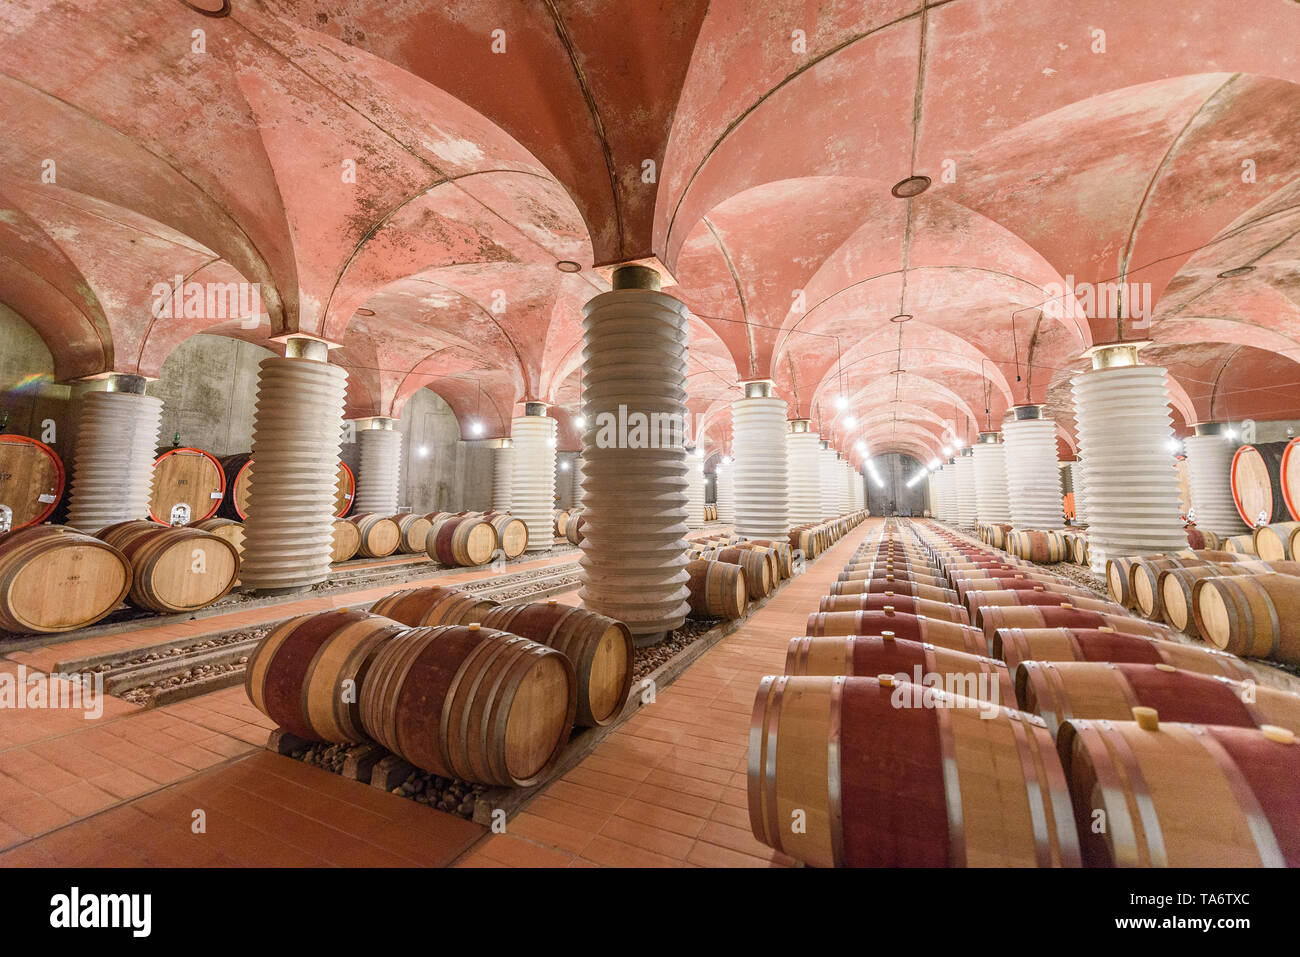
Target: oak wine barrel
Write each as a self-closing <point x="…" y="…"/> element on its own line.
<point x="467" y="540"/>
<point x="1255" y="480"/>
<point x="961" y="673"/>
<point x="1043" y="546"/>
<point x="1241" y="545"/>
<point x="433" y="605"/>
<point x="598" y="647"/>
<point x="412" y="531"/>
<point x="561" y="522"/>
<point x="471" y="703"/>
<point x="1017" y="645"/>
<point x="1289" y="476"/>
<point x="345" y="541"/>
<point x="54" y="579"/>
<point x="900" y="624"/>
<point x="978" y="601"/>
<point x="573" y="529"/>
<point x="717" y="589"/>
<point x="188" y="484"/>
<point x="379" y="535"/>
<point x="893" y="574"/>
<point x="299" y="674"/>
<point x="512" y="533"/>
<point x="174" y="569"/>
<point x="226" y="528"/>
<point x="884" y="784"/>
<point x="1202" y="538"/>
<point x="1183" y="795"/>
<point x="32" y="480"/>
<point x="757" y="566"/>
<point x="878" y="585"/>
<point x="880" y="601"/>
<point x="1065" y="615"/>
<point x="1255" y="616"/>
<point x="1058" y="691"/>
<point x="784" y="554"/>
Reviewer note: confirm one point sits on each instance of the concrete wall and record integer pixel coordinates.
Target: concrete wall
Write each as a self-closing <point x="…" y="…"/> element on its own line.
<point x="31" y="403"/>
<point x="209" y="392"/>
<point x="440" y="471"/>
<point x="895" y="498"/>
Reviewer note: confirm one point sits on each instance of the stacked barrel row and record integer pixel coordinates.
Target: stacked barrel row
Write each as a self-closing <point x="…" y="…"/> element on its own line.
<point x="813" y="538"/>
<point x="951" y="706"/>
<point x="1233" y="601"/>
<point x="569" y="525"/>
<point x="457" y="685"/>
<point x="55" y="579"/>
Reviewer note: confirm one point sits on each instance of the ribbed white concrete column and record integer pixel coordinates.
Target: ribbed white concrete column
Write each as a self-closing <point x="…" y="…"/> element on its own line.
<point x="759" y="429"/>
<point x="1033" y="480"/>
<point x="991" y="503"/>
<point x="1125" y="430"/>
<point x="503" y="476"/>
<point x="297" y="435"/>
<point x="694" y="490"/>
<point x="859" y="493"/>
<point x="726" y="491"/>
<point x="381" y="468"/>
<point x="803" y="472"/>
<point x="1078" y="483"/>
<point x="577" y="481"/>
<point x="533" y="493"/>
<point x="964" y="484"/>
<point x="1209" y="466"/>
<point x="117" y="439"/>
<point x="634" y="546"/>
<point x="947" y="503"/>
<point x="846" y="486"/>
<point x="933" y="485"/>
<point x="830" y="499"/>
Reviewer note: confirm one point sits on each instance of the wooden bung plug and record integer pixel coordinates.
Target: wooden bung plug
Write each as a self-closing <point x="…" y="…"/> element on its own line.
<point x="886" y="680"/>
<point x="1280" y="735"/>
<point x="1148" y="719"/>
<point x="887" y="636"/>
<point x="1165" y="667"/>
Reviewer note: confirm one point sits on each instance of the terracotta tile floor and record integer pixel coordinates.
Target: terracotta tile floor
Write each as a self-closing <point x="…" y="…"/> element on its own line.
<point x="666" y="789"/>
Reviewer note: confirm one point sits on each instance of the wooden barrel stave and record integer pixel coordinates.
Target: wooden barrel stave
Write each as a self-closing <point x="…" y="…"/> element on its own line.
<point x="433" y="605"/>
<point x="717" y="589"/>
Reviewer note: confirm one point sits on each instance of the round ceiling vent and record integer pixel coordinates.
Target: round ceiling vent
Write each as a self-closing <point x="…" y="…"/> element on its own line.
<point x="912" y="186"/>
<point x="568" y="265"/>
<point x="901" y="317"/>
<point x="209" y="8"/>
<point x="1236" y="271"/>
<point x="365" y="312"/>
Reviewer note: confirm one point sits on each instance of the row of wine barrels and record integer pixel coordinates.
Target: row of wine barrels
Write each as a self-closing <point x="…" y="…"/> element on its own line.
<point x="760" y="573"/>
<point x="1042" y="546"/>
<point x="471" y="703"/>
<point x="1256" y="616"/>
<point x="598" y="647"/>
<point x="994" y="535"/>
<point x="32" y="480"/>
<point x="226" y="528"/>
<point x="1255" y="478"/>
<point x="433" y="605"/>
<point x="717" y="589"/>
<point x="188" y="486"/>
<point x="879" y="585"/>
<point x="887" y="601"/>
<point x="958" y="672"/>
<point x="981" y="602"/>
<point x="1277" y="542"/>
<point x="379" y="535"/>
<point x="467" y="540"/>
<point x="784" y="553"/>
<point x="969" y="589"/>
<point x="1175" y="586"/>
<point x="1016" y="645"/>
<point x="1065" y="615"/>
<point x="1058" y="691"/>
<point x="238" y="470"/>
<point x="881" y="782"/>
<point x="345" y="540"/>
<point x="54" y="579"/>
<point x="174" y="569"/>
<point x="1182" y="795"/>
<point x="1143" y="575"/>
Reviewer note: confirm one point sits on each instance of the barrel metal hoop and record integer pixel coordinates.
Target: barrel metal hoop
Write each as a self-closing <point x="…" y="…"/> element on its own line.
<point x="1033" y="791"/>
<point x="1261" y="831"/>
<point x="1141" y="792"/>
<point x="952" y="789"/>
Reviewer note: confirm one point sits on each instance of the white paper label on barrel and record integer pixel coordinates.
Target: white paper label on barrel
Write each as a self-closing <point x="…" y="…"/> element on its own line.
<point x="45" y="499"/>
<point x="216" y="495"/>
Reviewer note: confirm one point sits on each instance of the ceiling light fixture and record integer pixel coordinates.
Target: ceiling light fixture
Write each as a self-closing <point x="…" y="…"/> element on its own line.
<point x="901" y="317"/>
<point x="912" y="186"/>
<point x="476" y="428"/>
